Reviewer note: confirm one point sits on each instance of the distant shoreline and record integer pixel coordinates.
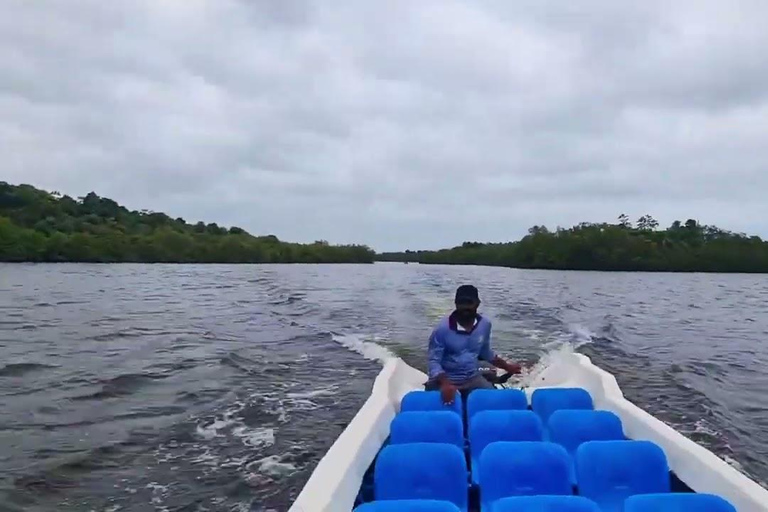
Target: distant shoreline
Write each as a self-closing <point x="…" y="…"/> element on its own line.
<point x="178" y="263"/>
<point x="608" y="271"/>
<point x="46" y="227"/>
<point x="682" y="248"/>
<point x="210" y="263"/>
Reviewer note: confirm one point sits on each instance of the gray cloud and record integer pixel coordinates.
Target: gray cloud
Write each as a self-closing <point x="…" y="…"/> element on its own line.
<point x="399" y="124"/>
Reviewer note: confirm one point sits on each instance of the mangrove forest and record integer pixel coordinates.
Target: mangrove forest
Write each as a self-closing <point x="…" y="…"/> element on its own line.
<point x="40" y="226"/>
<point x="640" y="246"/>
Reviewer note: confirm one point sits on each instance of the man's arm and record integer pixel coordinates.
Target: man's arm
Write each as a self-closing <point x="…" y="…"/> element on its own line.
<point x="435" y="356"/>
<point x="487" y="354"/>
<point x="436" y="370"/>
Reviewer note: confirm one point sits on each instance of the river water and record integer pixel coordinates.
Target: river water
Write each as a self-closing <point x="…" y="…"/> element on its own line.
<point x="192" y="388"/>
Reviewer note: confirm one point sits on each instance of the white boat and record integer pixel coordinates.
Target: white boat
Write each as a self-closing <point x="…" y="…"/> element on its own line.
<point x="336" y="481"/>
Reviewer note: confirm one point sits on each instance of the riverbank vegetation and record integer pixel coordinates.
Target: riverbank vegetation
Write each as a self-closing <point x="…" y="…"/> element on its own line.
<point x="641" y="246"/>
<point x="39" y="226"/>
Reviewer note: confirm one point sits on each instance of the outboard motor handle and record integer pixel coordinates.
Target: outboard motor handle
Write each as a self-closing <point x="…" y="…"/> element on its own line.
<point x="494" y="378"/>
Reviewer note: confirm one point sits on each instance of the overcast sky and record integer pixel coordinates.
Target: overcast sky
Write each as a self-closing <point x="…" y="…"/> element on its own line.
<point x="399" y="123"/>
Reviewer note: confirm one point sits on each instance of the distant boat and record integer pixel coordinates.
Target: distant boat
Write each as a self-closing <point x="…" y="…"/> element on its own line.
<point x="366" y="468"/>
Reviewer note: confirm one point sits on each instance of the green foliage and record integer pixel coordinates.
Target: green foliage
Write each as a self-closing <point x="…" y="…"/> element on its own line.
<point x="39" y="226"/>
<point x="683" y="247"/>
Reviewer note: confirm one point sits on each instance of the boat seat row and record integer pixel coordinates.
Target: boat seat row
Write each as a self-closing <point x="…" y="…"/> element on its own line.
<point x="640" y="503"/>
<point x="608" y="472"/>
<point x="515" y="504"/>
<point x="568" y="428"/>
<point x="544" y="402"/>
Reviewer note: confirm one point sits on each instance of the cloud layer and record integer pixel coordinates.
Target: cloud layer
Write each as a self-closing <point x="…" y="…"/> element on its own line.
<point x="398" y="124"/>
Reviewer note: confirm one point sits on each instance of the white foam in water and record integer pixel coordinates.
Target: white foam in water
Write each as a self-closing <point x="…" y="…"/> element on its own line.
<point x="702" y="427"/>
<point x="282" y="414"/>
<point x="580" y="335"/>
<point x="207" y="458"/>
<point x="327" y="391"/>
<point x="300" y="404"/>
<point x="556" y="351"/>
<point x="283" y="404"/>
<point x="229" y="418"/>
<point x="159" y="493"/>
<point x="259" y="437"/>
<point x="156" y="487"/>
<point x="534" y="334"/>
<point x="363" y="346"/>
<point x="234" y="462"/>
<point x="737" y="465"/>
<point x="734" y="463"/>
<point x="273" y="466"/>
<point x="208" y="432"/>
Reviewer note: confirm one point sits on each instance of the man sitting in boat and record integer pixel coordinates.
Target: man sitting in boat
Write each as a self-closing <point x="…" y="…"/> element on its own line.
<point x="456" y="345"/>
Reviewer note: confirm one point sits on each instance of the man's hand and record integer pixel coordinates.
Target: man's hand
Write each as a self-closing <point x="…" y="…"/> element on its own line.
<point x="448" y="392"/>
<point x="508" y="367"/>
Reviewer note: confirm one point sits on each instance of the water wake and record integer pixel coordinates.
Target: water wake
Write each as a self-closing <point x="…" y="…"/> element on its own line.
<point x="559" y="349"/>
<point x="366" y="346"/>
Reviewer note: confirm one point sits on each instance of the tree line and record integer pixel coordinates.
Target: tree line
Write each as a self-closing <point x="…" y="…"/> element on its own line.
<point x="40" y="226"/>
<point x="641" y="246"/>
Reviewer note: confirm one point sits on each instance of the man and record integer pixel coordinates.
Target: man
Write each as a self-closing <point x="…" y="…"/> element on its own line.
<point x="456" y="345"/>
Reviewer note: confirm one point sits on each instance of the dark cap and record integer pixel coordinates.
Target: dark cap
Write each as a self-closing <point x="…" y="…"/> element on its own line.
<point x="467" y="293"/>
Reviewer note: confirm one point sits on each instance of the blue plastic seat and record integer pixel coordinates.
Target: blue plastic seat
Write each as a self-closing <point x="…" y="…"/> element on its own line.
<point x="546" y="504"/>
<point x="427" y="427"/>
<point x="421" y="471"/>
<point x="495" y="399"/>
<point x="608" y="472"/>
<point x="570" y="428"/>
<point x="677" y="503"/>
<point x="430" y="401"/>
<point x="487" y="427"/>
<point x="545" y="401"/>
<point x="408" y="506"/>
<point x="522" y="469"/>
